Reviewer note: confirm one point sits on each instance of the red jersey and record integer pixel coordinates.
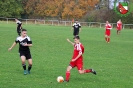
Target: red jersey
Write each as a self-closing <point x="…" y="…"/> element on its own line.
<point x="108" y="27"/>
<point x="78" y="49"/>
<point x="119" y="25"/>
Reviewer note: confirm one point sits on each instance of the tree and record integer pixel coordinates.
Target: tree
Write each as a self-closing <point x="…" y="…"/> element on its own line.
<point x="65" y="9"/>
<point x="30" y="7"/>
<point x="11" y="8"/>
<point x="77" y="8"/>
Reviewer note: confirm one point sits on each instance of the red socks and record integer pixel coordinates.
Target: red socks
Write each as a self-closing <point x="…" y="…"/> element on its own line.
<point x="87" y="71"/>
<point x="108" y="39"/>
<point x="67" y="75"/>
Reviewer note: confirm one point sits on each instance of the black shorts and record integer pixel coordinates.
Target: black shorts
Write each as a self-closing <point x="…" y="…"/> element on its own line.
<point x="76" y="32"/>
<point x="26" y="54"/>
<point x="18" y="30"/>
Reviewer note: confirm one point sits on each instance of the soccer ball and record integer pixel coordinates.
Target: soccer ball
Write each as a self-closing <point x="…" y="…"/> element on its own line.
<point x="60" y="79"/>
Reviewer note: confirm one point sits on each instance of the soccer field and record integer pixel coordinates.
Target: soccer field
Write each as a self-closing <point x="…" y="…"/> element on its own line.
<point x="51" y="54"/>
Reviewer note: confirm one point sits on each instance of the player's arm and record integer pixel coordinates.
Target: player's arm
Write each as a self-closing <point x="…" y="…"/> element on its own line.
<point x="72" y="27"/>
<point x="79" y="55"/>
<point x="13" y="45"/>
<point x="27" y="44"/>
<point x="110" y="27"/>
<point x="117" y="24"/>
<point x="80" y="27"/>
<point x="70" y="42"/>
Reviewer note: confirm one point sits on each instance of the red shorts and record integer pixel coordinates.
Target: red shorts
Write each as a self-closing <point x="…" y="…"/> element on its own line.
<point x="78" y="64"/>
<point x="107" y="33"/>
<point x="118" y="28"/>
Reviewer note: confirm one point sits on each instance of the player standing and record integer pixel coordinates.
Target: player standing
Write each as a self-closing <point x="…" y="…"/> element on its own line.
<point x="76" y="27"/>
<point x="77" y="59"/>
<point x="24" y="51"/>
<point x="119" y="26"/>
<point x="19" y="26"/>
<point x="108" y="27"/>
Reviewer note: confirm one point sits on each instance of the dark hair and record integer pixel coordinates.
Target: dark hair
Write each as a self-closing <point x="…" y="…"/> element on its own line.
<point x="76" y="20"/>
<point x="24" y="30"/>
<point x="76" y="37"/>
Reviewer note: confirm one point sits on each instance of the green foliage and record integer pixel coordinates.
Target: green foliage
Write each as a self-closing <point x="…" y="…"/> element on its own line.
<point x="10" y="8"/>
<point x="51" y="54"/>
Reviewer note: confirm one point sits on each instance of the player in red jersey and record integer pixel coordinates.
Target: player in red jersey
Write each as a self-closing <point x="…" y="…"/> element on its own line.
<point x="77" y="59"/>
<point x="108" y="27"/>
<point x="119" y="26"/>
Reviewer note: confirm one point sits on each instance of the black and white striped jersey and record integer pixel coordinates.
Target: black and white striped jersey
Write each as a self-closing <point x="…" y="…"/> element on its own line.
<point x="76" y="26"/>
<point x="22" y="41"/>
<point x="18" y="25"/>
<point x="18" y="22"/>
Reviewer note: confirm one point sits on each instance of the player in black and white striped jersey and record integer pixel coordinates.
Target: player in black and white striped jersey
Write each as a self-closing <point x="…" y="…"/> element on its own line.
<point x="24" y="51"/>
<point x="76" y="28"/>
<point x="19" y="26"/>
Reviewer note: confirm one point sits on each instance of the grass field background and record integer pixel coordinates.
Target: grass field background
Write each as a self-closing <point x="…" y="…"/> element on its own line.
<point x="51" y="54"/>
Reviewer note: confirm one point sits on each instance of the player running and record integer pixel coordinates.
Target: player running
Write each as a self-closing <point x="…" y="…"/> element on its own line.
<point x="119" y="26"/>
<point x="24" y="51"/>
<point x="76" y="27"/>
<point x="19" y="26"/>
<point x="77" y="59"/>
<point x="108" y="27"/>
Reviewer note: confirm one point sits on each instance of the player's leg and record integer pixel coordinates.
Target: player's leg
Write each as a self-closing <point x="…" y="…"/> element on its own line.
<point x="117" y="31"/>
<point x="18" y="31"/>
<point x="71" y="65"/>
<point x="30" y="65"/>
<point x="74" y="33"/>
<point x="83" y="71"/>
<point x="106" y="37"/>
<point x="23" y="58"/>
<point x="68" y="73"/>
<point x="28" y="57"/>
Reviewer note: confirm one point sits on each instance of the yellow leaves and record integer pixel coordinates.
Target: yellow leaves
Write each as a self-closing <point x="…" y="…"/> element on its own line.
<point x="65" y="9"/>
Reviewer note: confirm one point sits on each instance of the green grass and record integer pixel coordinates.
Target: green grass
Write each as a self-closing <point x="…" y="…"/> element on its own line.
<point x="51" y="54"/>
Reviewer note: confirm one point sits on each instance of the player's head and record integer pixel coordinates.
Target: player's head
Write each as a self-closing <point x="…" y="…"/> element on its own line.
<point x="24" y="32"/>
<point x="76" y="39"/>
<point x="119" y="19"/>
<point x="107" y="22"/>
<point x="76" y="21"/>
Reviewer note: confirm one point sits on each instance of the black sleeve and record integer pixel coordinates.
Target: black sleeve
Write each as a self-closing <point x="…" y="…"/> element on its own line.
<point x="29" y="42"/>
<point x="79" y="26"/>
<point x="16" y="41"/>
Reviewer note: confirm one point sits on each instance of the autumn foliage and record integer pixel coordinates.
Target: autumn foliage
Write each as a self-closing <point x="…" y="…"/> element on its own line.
<point x="63" y="9"/>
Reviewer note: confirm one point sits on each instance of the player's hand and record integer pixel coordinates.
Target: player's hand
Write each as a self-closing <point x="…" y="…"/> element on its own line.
<point x="25" y="44"/>
<point x="9" y="49"/>
<point x="74" y="60"/>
